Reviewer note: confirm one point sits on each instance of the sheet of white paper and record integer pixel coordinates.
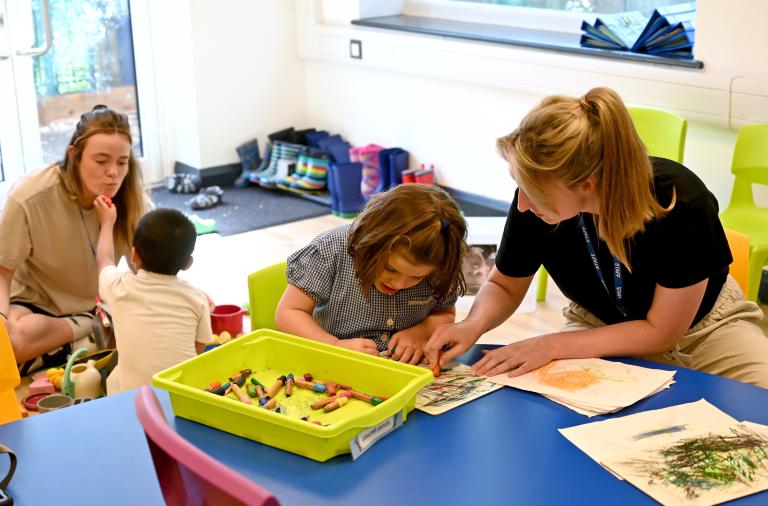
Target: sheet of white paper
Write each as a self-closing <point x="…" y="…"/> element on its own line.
<point x="603" y="384"/>
<point x="603" y="440"/>
<point x="592" y="410"/>
<point x="699" y="466"/>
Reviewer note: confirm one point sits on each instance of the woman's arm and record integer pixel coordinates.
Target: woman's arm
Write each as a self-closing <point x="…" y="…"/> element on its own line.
<point x="497" y="299"/>
<point x="671" y="314"/>
<point x="105" y="247"/>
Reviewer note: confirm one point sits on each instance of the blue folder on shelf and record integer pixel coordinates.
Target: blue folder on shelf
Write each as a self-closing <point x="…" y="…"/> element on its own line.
<point x="669" y="31"/>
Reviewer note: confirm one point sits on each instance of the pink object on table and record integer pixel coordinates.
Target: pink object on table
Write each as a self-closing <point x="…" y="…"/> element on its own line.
<point x="41" y="386"/>
<point x="186" y="474"/>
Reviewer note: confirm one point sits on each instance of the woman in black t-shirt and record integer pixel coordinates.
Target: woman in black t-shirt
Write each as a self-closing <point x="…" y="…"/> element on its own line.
<point x="634" y="242"/>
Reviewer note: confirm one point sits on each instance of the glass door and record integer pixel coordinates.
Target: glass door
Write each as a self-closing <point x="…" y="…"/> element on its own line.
<point x="62" y="57"/>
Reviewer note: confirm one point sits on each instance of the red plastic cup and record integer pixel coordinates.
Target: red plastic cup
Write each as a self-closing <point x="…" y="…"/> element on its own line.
<point x="227" y="317"/>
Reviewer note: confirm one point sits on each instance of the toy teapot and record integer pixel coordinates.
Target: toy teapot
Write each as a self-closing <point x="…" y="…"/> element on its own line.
<point x="82" y="380"/>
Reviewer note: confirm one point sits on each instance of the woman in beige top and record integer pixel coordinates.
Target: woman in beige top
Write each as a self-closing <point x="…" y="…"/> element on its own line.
<point x="49" y="229"/>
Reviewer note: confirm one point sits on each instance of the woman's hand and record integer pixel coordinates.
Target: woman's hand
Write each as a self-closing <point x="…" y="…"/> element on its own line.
<point x="407" y="346"/>
<point x="361" y="344"/>
<point x="455" y="339"/>
<point x="516" y="358"/>
<point x="106" y="210"/>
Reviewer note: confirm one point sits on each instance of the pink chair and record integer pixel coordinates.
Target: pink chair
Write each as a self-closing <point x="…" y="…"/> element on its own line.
<point x="187" y="475"/>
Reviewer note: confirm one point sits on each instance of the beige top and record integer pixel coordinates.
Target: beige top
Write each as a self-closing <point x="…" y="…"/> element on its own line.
<point x="50" y="244"/>
<point x="158" y="318"/>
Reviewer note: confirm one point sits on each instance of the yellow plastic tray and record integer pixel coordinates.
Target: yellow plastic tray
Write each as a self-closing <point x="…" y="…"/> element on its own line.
<point x="269" y="354"/>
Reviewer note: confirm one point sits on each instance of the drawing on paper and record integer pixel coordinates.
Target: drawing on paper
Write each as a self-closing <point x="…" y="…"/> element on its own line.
<point x="657" y="432"/>
<point x="707" y="466"/>
<point x="572" y="380"/>
<point x="453" y="388"/>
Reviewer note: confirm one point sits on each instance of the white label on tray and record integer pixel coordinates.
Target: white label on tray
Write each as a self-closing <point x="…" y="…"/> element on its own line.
<point x="366" y="438"/>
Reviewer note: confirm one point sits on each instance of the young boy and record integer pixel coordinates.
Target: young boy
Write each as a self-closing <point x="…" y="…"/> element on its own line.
<point x="159" y="319"/>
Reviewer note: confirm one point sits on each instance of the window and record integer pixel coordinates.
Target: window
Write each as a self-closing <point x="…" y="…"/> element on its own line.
<point x="590" y="6"/>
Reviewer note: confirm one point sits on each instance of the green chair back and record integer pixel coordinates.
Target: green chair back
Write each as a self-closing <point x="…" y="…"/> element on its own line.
<point x="662" y="132"/>
<point x="265" y="287"/>
<point x="749" y="168"/>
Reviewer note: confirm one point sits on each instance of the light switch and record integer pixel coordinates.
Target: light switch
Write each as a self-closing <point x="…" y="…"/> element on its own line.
<point x="356" y="49"/>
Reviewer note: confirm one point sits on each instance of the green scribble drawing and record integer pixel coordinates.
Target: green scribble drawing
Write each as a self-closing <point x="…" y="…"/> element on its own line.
<point x="715" y="461"/>
<point x="657" y="432"/>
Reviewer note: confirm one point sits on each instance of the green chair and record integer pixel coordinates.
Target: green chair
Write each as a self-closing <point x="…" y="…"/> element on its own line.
<point x="663" y="134"/>
<point x="265" y="287"/>
<point x="750" y="167"/>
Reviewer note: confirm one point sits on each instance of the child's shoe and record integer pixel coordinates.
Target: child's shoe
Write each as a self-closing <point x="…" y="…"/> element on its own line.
<point x="409" y="176"/>
<point x="346" y="181"/>
<point x="316" y="174"/>
<point x="301" y="170"/>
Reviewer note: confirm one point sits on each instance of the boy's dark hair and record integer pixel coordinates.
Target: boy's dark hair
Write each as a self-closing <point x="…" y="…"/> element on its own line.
<point x="164" y="241"/>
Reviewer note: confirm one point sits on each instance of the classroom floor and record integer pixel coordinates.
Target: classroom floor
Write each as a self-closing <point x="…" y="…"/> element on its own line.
<point x="222" y="264"/>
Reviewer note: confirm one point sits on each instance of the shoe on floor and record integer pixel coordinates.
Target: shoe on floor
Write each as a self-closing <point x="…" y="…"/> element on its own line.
<point x="183" y="183"/>
<point x="207" y="198"/>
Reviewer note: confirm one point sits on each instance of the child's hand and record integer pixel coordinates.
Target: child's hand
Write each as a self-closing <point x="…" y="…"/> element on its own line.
<point x="360" y="344"/>
<point x="106" y="210"/>
<point x="408" y="345"/>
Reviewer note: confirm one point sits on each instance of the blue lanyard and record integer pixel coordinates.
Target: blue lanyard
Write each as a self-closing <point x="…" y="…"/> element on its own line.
<point x="618" y="282"/>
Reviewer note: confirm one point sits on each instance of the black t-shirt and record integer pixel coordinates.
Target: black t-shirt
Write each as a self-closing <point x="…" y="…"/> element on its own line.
<point x="682" y="248"/>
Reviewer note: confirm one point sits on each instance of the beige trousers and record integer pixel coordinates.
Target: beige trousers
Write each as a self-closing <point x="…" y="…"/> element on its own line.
<point x="727" y="341"/>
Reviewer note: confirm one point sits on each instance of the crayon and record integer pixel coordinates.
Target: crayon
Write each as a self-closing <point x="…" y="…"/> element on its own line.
<point x="240" y="394"/>
<point x="242" y="374"/>
<point x="221" y="390"/>
<point x="289" y="385"/>
<point x="436" y="368"/>
<point x="315" y="387"/>
<point x="322" y="402"/>
<point x="373" y="399"/>
<point x="279" y="382"/>
<point x="250" y="390"/>
<point x="336" y="404"/>
<point x="212" y="386"/>
<point x="102" y="314"/>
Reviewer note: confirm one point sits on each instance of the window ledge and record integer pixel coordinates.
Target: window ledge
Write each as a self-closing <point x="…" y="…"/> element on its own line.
<point x="500" y="34"/>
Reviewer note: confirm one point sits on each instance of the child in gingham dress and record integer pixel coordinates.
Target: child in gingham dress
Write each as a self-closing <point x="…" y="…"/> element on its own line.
<point x="382" y="284"/>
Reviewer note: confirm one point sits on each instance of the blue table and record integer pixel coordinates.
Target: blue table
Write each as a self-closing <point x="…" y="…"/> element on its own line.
<point x="500" y="449"/>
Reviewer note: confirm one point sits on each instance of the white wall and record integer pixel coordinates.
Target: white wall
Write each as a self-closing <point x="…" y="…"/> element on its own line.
<point x="406" y="91"/>
<point x="226" y="72"/>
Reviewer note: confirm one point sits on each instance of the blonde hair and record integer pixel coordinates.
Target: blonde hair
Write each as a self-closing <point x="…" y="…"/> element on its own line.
<point x="573" y="139"/>
<point x="423" y="222"/>
<point x="131" y="199"/>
